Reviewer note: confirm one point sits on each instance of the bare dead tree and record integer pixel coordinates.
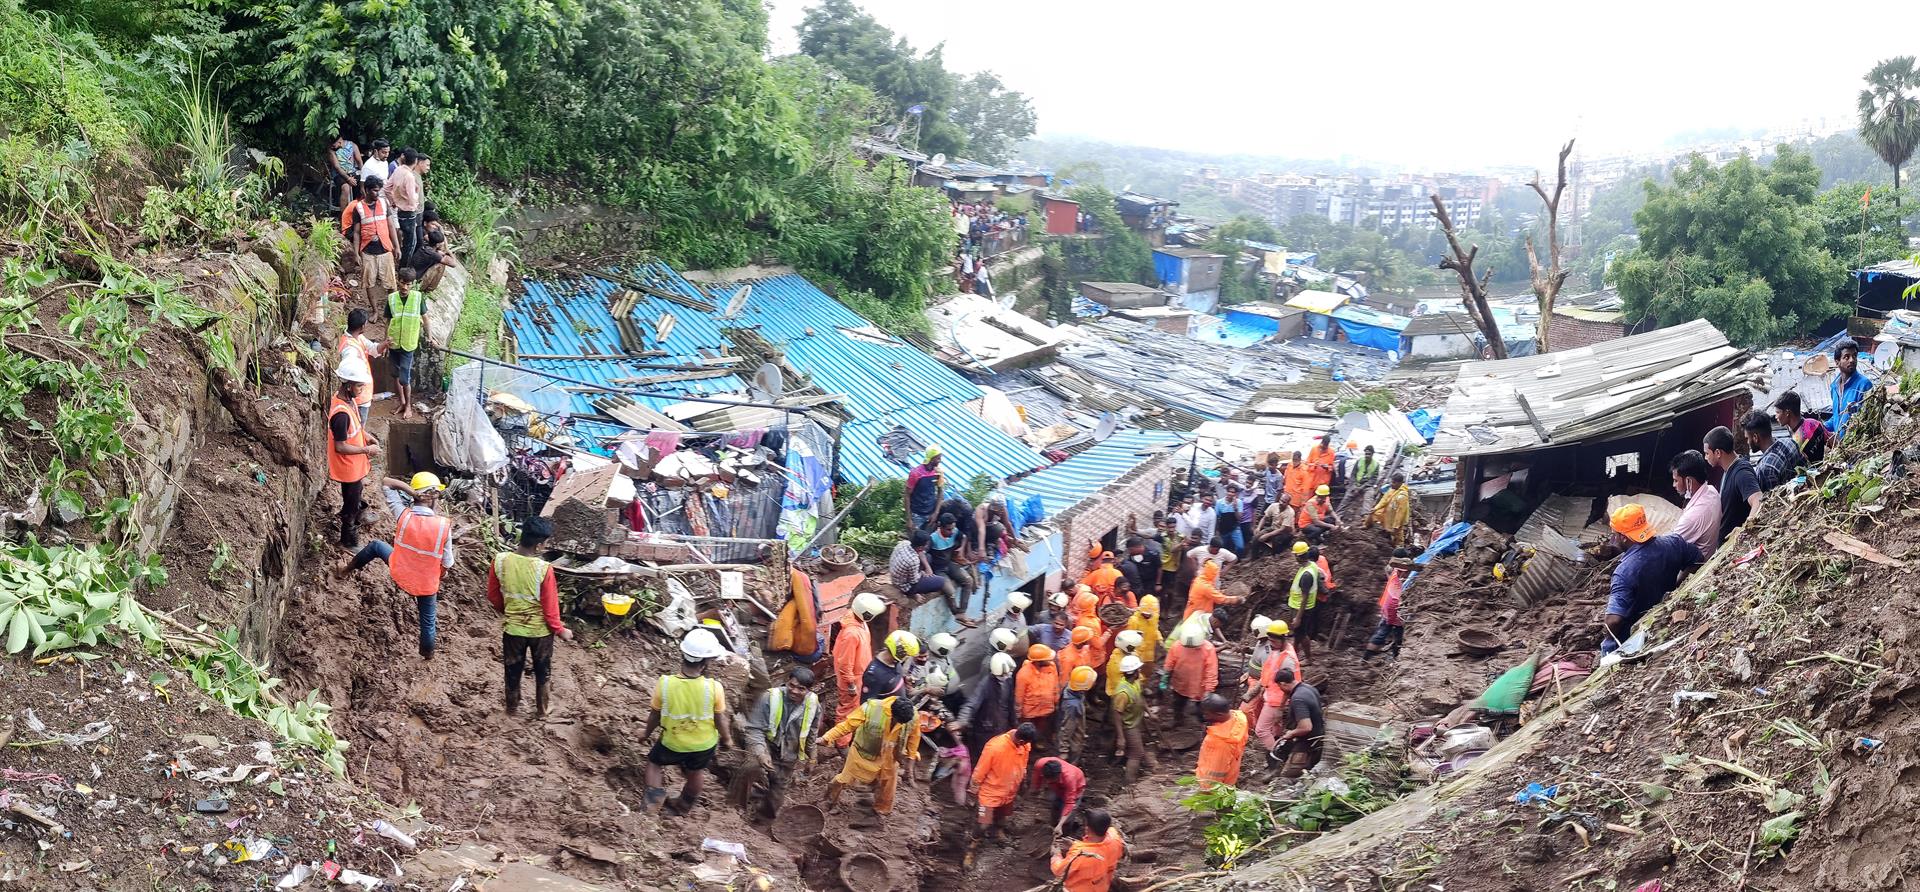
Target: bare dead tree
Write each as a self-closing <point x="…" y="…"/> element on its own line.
<point x="1473" y="292"/>
<point x="1548" y="279"/>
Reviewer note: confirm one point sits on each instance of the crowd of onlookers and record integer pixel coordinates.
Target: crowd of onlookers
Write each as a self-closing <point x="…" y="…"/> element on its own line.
<point x="394" y="231"/>
<point x="977" y="224"/>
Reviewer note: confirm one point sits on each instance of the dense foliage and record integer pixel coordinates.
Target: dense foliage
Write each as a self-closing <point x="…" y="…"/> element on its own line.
<point x="975" y="116"/>
<point x="1120" y="256"/>
<point x="1741" y="246"/>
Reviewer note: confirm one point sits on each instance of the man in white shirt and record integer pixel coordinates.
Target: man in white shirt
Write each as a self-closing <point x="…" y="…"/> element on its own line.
<point x="1700" y="522"/>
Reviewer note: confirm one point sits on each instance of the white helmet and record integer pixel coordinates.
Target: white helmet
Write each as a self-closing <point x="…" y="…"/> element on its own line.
<point x="1193" y="634"/>
<point x="1003" y="640"/>
<point x="1059" y="599"/>
<point x="1260" y="624"/>
<point x="1019" y="601"/>
<point x="868" y="605"/>
<point x="943" y="643"/>
<point x="1129" y="639"/>
<point x="936" y="679"/>
<point x="1130" y="663"/>
<point x="1001" y="665"/>
<point x="699" y="645"/>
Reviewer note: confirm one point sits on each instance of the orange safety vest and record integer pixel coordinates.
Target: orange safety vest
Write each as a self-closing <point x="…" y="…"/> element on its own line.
<point x="420" y="543"/>
<point x="1221" y="750"/>
<point x="1276" y="661"/>
<point x="373" y="223"/>
<point x="354" y="343"/>
<point x="1309" y="512"/>
<point x="340" y="466"/>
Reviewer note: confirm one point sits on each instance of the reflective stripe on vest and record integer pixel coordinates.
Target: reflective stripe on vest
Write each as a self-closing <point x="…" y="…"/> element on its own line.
<point x="686" y="714"/>
<point x="871" y="738"/>
<point x="420" y="544"/>
<point x="778" y="715"/>
<point x="373" y="223"/>
<point x="341" y="466"/>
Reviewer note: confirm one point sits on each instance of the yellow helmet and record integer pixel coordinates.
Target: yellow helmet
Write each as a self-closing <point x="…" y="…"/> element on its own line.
<point x="1323" y="490"/>
<point x="903" y="645"/>
<point x="1082" y="678"/>
<point x="426" y="481"/>
<point x="1278" y="627"/>
<point x="1300" y="547"/>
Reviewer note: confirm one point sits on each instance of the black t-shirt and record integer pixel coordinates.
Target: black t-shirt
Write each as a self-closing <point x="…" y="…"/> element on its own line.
<point x="340" y="426"/>
<point x="1304" y="703"/>
<point x="879" y="681"/>
<point x="1736" y="485"/>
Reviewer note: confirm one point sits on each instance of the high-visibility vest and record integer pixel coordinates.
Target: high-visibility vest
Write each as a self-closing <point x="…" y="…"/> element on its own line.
<point x="352" y="342"/>
<point x="520" y="580"/>
<point x="778" y="712"/>
<point x="686" y="714"/>
<point x="341" y="466"/>
<point x="373" y="223"/>
<point x="420" y="542"/>
<point x="405" y="308"/>
<point x="871" y="737"/>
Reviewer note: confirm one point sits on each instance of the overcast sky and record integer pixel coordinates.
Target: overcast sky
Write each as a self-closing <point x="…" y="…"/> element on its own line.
<point x="1419" y="84"/>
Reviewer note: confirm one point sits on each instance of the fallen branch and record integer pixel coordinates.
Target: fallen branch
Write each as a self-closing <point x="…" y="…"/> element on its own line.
<point x="1739" y="769"/>
<point x="1860" y="549"/>
<point x="1830" y="655"/>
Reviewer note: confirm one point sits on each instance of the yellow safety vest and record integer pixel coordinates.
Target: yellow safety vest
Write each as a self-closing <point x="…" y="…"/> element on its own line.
<point x="686" y="714"/>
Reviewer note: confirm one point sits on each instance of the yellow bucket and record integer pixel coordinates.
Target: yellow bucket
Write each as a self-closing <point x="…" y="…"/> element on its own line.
<point x="616" y="604"/>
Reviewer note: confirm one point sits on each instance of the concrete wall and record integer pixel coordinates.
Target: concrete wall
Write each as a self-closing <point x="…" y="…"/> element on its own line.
<point x="1136" y="495"/>
<point x="1567" y="333"/>
<point x="1439" y="346"/>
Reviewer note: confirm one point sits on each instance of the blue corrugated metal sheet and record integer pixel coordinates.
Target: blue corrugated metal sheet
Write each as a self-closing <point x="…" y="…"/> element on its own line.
<point x="883" y="384"/>
<point x="1231" y="332"/>
<point x="1070" y="482"/>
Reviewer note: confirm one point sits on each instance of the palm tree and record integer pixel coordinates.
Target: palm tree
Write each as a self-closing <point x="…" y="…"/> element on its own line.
<point x="1890" y="113"/>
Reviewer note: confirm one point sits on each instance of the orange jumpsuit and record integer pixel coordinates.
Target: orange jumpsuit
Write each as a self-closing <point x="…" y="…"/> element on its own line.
<point x="1298" y="484"/>
<point x="1036" y="690"/>
<point x="1320" y="462"/>
<point x="852" y="651"/>
<point x="1193" y="672"/>
<point x="998" y="775"/>
<point x="1100" y="579"/>
<point x="1220" y="752"/>
<point x="1090" y="866"/>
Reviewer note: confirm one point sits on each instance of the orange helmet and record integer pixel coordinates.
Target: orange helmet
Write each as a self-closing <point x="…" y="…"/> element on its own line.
<point x="1082" y="634"/>
<point x="1082" y="678"/>
<point x="1038" y="653"/>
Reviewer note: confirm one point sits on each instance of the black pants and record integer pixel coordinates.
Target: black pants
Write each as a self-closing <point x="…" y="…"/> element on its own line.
<point x="515" y="651"/>
<point x="350" y="512"/>
<point x="409" y="222"/>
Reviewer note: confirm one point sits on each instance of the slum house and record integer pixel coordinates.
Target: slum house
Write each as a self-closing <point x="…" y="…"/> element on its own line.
<point x="1882" y="287"/>
<point x="1282" y="322"/>
<point x="1123" y="295"/>
<point x="975" y="333"/>
<point x="1444" y="335"/>
<point x="1193" y="276"/>
<point x="888" y="400"/>
<point x="1586" y="423"/>
<point x="1098" y="495"/>
<point x="1146" y="215"/>
<point x="1172" y="320"/>
<point x="1585" y="319"/>
<point x="1061" y="214"/>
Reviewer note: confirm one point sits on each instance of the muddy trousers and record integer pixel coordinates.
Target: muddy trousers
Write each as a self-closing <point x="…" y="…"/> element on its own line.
<point x="777" y="778"/>
<point x="350" y="494"/>
<point x="1132" y="740"/>
<point x="1177" y="710"/>
<point x="516" y="652"/>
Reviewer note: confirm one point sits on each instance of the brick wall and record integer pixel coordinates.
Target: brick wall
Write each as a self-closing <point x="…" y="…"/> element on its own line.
<point x="1139" y="494"/>
<point x="1568" y="333"/>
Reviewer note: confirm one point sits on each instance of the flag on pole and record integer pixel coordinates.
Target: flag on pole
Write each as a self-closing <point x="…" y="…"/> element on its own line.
<point x="1866" y="198"/>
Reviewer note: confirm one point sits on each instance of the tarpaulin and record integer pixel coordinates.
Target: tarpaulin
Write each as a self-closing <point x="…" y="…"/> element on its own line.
<point x="1168" y="268"/>
<point x="1424" y="421"/>
<point x="1446" y="543"/>
<point x="1369" y="335"/>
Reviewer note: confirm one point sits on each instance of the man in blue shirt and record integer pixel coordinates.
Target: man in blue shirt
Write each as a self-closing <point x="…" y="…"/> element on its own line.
<point x="1848" y="387"/>
<point x="1649" y="570"/>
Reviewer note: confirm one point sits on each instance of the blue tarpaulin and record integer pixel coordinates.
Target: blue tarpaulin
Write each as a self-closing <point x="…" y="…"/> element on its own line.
<point x="1168" y="268"/>
<point x="1425" y="423"/>
<point x="1446" y="543"/>
<point x="1371" y="328"/>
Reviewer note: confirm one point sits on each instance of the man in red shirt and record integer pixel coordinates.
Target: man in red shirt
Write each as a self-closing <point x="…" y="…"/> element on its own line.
<point x="521" y="585"/>
<point x="1066" y="782"/>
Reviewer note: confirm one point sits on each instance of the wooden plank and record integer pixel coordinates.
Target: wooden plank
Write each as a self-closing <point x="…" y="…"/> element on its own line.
<point x="700" y="374"/>
<point x="1533" y="419"/>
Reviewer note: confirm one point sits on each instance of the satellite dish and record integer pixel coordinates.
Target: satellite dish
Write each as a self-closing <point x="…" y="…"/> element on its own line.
<point x="1108" y="424"/>
<point x="768" y="383"/>
<point x="737" y="302"/>
<point x="939" y="159"/>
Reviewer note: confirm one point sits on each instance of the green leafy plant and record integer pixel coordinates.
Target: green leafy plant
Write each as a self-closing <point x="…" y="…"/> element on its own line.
<point x="1380" y="400"/>
<point x="67" y="596"/>
<point x="225" y="674"/>
<point x="1240" y="820"/>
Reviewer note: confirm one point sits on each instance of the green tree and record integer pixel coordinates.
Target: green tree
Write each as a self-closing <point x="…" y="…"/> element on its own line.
<point x="848" y="40"/>
<point x="1741" y="246"/>
<point x="1890" y="112"/>
<point x="1859" y="232"/>
<point x="1119" y="255"/>
<point x="1250" y="229"/>
<point x="996" y="119"/>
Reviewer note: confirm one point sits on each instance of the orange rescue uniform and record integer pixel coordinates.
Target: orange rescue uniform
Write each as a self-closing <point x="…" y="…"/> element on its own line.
<point x="1090" y="866"/>
<point x="1220" y="752"/>
<point x="1002" y="768"/>
<point x="1036" y="689"/>
<point x="852" y="651"/>
<point x="1193" y="672"/>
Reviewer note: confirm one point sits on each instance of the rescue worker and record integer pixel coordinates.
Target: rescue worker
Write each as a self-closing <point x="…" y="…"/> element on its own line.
<point x="1100" y="578"/>
<point x="1298" y="482"/>
<point x="1303" y="744"/>
<point x="350" y="450"/>
<point x="779" y="730"/>
<point x="853" y="651"/>
<point x="1317" y="518"/>
<point x="1126" y="644"/>
<point x="886" y="675"/>
<point x="938" y="657"/>
<point x="1076" y="653"/>
<point x="1129" y="711"/>
<point x="405" y="307"/>
<point x="1225" y="743"/>
<point x="1003" y="641"/>
<point x="1146" y="621"/>
<point x="1014" y="619"/>
<point x="1280" y="657"/>
<point x="356" y="351"/>
<point x="1036" y="691"/>
<point x="690" y="712"/>
<point x="1303" y="594"/>
<point x="1089" y="863"/>
<point x="1205" y="596"/>
<point x="422" y="548"/>
<point x="997" y="776"/>
<point x="1193" y="669"/>
<point x="990" y="709"/>
<point x="522" y="586"/>
<point x="1086" y="604"/>
<point x="1392" y="630"/>
<point x="1321" y="460"/>
<point x="1064" y="783"/>
<point x="885" y="735"/>
<point x="1367" y="468"/>
<point x="1072" y="739"/>
<point x="1393" y="510"/>
<point x="1256" y="659"/>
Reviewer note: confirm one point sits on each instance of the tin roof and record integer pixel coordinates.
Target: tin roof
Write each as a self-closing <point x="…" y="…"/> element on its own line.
<point x="1322" y="302"/>
<point x="882" y="381"/>
<point x="1605" y="392"/>
<point x="1441" y="324"/>
<point x="1067" y="484"/>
